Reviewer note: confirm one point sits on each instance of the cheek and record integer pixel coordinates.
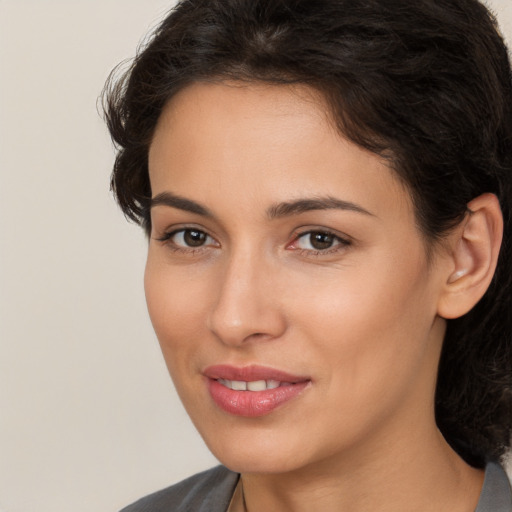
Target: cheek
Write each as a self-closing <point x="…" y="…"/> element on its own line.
<point x="373" y="327"/>
<point x="176" y="304"/>
<point x="369" y="345"/>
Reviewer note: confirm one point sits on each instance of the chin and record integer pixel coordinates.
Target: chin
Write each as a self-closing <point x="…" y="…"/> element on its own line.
<point x="268" y="452"/>
<point x="247" y="463"/>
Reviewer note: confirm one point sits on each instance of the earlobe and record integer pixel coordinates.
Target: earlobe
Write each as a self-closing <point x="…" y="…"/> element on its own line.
<point x="475" y="246"/>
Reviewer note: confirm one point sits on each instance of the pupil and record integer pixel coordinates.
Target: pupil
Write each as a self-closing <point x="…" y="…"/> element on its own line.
<point x="194" y="238"/>
<point x="321" y="240"/>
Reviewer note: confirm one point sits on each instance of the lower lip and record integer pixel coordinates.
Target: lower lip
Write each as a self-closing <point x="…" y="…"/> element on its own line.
<point x="252" y="404"/>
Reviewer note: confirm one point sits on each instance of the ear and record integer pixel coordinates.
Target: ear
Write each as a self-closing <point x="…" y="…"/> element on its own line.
<point x="473" y="255"/>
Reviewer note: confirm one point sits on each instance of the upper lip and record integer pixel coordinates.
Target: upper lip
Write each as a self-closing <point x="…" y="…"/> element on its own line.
<point x="251" y="373"/>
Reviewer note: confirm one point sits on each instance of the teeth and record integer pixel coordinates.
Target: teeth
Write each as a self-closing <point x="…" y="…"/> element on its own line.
<point x="239" y="385"/>
<point x="255" y="385"/>
<point x="226" y="383"/>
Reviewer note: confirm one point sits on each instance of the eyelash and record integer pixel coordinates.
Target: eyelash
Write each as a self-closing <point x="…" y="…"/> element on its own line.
<point x="339" y="242"/>
<point x="167" y="239"/>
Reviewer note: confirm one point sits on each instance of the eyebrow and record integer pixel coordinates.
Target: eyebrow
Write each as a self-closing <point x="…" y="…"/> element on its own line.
<point x="315" y="203"/>
<point x="181" y="203"/>
<point x="275" y="211"/>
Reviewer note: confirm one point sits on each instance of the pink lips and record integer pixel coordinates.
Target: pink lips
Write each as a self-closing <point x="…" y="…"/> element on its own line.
<point x="252" y="403"/>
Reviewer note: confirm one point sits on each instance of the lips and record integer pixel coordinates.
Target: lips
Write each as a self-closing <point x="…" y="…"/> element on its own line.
<point x="252" y="391"/>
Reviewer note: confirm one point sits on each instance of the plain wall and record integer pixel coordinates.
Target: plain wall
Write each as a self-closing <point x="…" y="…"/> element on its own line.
<point x="89" y="419"/>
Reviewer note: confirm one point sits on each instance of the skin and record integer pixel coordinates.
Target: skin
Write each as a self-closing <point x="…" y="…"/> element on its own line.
<point x="359" y="318"/>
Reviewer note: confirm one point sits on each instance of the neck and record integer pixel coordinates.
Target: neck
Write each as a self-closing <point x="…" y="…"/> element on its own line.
<point x="427" y="476"/>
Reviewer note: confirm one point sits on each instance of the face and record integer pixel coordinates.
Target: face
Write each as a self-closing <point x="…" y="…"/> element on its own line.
<point x="286" y="280"/>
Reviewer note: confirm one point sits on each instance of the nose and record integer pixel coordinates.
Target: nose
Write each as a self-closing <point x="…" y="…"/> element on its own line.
<point x="247" y="304"/>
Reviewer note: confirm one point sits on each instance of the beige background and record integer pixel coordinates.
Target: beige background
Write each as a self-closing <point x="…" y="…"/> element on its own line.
<point x="88" y="417"/>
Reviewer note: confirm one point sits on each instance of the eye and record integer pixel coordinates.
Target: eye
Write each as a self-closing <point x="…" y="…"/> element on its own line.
<point x="188" y="238"/>
<point x="318" y="242"/>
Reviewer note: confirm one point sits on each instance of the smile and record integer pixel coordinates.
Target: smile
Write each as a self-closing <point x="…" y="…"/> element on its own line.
<point x="252" y="391"/>
<point x="255" y="385"/>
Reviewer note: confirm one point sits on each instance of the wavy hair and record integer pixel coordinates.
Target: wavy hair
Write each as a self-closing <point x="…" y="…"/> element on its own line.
<point x="424" y="83"/>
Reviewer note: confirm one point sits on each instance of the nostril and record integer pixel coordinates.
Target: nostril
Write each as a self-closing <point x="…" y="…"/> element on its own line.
<point x="257" y="336"/>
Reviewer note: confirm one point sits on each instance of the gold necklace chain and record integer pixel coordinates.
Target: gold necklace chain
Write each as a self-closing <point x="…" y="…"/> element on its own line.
<point x="237" y="495"/>
<point x="243" y="495"/>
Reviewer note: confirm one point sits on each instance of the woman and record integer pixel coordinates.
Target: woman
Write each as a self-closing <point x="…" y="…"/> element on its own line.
<point x="326" y="187"/>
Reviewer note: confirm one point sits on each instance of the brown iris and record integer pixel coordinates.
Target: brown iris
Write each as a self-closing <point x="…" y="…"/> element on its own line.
<point x="320" y="240"/>
<point x="194" y="237"/>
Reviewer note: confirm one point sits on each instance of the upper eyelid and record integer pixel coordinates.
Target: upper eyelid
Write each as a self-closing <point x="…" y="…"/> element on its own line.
<point x="343" y="242"/>
<point x="306" y="231"/>
<point x="173" y="229"/>
<point x="334" y="235"/>
<point x="317" y="230"/>
<point x="168" y="234"/>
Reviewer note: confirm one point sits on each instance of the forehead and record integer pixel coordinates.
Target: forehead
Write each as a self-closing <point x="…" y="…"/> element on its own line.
<point x="265" y="143"/>
<point x="203" y="113"/>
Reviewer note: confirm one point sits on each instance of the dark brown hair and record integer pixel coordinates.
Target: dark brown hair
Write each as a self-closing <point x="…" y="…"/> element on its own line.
<point x="424" y="83"/>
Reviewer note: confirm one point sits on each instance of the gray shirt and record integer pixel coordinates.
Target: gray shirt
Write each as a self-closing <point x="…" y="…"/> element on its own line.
<point x="211" y="491"/>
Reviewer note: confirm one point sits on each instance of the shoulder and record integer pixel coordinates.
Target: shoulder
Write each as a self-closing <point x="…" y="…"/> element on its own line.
<point x="209" y="491"/>
<point x="496" y="493"/>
